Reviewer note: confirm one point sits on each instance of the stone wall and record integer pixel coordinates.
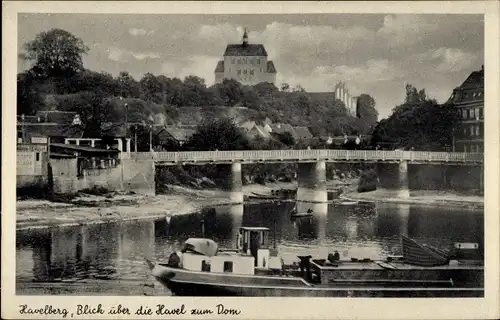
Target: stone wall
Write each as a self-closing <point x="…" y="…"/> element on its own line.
<point x="31" y="169"/>
<point x="138" y="176"/>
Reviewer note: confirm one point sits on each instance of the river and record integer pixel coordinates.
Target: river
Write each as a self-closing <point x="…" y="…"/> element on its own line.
<point x="112" y="253"/>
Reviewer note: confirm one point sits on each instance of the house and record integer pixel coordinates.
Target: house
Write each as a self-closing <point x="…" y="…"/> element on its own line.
<point x="258" y="131"/>
<point x="169" y="136"/>
<point x="303" y="133"/>
<point x="281" y="128"/>
<point x="246" y="63"/>
<point x="38" y="133"/>
<point x="469" y="100"/>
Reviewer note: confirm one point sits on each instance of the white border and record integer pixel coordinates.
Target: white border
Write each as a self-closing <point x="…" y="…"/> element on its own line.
<point x="268" y="308"/>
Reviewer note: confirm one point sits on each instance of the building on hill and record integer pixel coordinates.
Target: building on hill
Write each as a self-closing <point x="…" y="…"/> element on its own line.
<point x="468" y="98"/>
<point x="246" y="63"/>
<point x="342" y="94"/>
<point x="303" y="133"/>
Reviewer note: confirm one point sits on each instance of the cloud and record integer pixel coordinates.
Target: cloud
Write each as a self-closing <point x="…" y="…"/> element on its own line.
<point x="406" y="29"/>
<point x="371" y="71"/>
<point x="122" y="55"/>
<point x="201" y="65"/>
<point x="140" y="32"/>
<point x="447" y="59"/>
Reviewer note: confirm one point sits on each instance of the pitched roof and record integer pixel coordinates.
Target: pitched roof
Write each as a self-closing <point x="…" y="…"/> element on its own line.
<point x="220" y="66"/>
<point x="303" y="132"/>
<point x="281" y="128"/>
<point x="474" y="80"/>
<point x="245" y="50"/>
<point x="179" y="134"/>
<point x="270" y="67"/>
<point x="114" y="129"/>
<point x="61" y="117"/>
<point x="50" y="130"/>
<point x="256" y="129"/>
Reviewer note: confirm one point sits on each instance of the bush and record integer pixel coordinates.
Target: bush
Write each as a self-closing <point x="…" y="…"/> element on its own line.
<point x="368" y="181"/>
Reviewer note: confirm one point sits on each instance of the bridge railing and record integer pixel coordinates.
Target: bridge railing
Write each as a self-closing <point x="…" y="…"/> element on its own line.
<point x="315" y="154"/>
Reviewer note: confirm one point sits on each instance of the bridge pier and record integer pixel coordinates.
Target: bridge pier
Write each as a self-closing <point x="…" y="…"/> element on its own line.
<point x="231" y="181"/>
<point x="311" y="182"/>
<point x="395" y="177"/>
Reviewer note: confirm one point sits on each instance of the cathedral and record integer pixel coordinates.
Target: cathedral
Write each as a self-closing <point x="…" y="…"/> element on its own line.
<point x="246" y="63"/>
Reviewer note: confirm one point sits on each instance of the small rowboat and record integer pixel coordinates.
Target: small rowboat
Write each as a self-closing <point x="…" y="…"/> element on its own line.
<point x="422" y="255"/>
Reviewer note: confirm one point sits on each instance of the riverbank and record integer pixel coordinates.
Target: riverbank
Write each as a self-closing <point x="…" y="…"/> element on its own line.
<point x="91" y="209"/>
<point x="420" y="197"/>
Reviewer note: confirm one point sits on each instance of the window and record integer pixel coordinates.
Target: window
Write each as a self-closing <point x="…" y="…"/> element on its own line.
<point x="464" y="113"/>
<point x="472" y="148"/>
<point x="205" y="266"/>
<point x="245" y="71"/>
<point x="239" y="72"/>
<point x="471" y="130"/>
<point x="478" y="132"/>
<point x="473" y="113"/>
<point x="228" y="266"/>
<point x="229" y="69"/>
<point x="239" y="61"/>
<point x="37" y="156"/>
<point x="258" y="60"/>
<point x="465" y="148"/>
<point x="480" y="113"/>
<point x="465" y="130"/>
<point x="232" y="60"/>
<point x="251" y="72"/>
<point x="260" y="69"/>
<point x="477" y="113"/>
<point x="474" y="94"/>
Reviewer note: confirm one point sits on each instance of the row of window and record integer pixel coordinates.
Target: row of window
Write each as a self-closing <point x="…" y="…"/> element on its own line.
<point x="245" y="72"/>
<point x="473" y="130"/>
<point x="245" y="60"/>
<point x="472" y="113"/>
<point x="228" y="266"/>
<point x="470" y="147"/>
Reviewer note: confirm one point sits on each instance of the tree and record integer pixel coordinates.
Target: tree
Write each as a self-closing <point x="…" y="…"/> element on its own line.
<point x="151" y="88"/>
<point x="128" y="87"/>
<point x="417" y="124"/>
<point x="29" y="99"/>
<point x="366" y="111"/>
<point x="285" y="87"/>
<point x="230" y="91"/>
<point x="55" y="53"/>
<point x="217" y="134"/>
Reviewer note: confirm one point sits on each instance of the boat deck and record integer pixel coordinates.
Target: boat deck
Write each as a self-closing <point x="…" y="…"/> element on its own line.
<point x="383" y="265"/>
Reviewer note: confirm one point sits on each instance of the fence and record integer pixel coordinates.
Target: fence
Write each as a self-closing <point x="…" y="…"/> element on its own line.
<point x="304" y="155"/>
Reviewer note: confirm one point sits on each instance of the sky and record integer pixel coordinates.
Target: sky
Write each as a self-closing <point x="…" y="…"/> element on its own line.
<point x="376" y="54"/>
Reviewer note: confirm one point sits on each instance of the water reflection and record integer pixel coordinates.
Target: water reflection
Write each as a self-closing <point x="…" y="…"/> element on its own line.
<point x="117" y="250"/>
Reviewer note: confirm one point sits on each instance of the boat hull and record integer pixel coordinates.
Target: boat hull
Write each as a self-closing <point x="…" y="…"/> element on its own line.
<point x="186" y="283"/>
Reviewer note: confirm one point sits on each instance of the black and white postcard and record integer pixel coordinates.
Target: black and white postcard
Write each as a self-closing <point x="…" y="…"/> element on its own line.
<point x="161" y="158"/>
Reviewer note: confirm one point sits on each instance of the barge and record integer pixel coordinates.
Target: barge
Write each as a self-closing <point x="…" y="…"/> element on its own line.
<point x="252" y="269"/>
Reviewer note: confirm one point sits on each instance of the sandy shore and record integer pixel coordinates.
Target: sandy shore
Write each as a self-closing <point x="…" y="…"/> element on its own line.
<point x="181" y="200"/>
<point x="421" y="197"/>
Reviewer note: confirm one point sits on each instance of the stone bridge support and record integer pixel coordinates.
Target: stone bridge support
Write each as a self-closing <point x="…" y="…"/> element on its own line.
<point x="311" y="182"/>
<point x="139" y="176"/>
<point x="394" y="176"/>
<point x="231" y="181"/>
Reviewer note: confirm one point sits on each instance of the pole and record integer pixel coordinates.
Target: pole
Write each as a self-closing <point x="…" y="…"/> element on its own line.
<point x="135" y="138"/>
<point x="151" y="138"/>
<point x="274" y="234"/>
<point x="202" y="228"/>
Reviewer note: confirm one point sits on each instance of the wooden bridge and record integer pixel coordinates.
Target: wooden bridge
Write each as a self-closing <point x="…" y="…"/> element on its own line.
<point x="274" y="156"/>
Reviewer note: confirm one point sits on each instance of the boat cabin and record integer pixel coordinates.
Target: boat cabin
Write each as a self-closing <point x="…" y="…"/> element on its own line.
<point x="252" y="254"/>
